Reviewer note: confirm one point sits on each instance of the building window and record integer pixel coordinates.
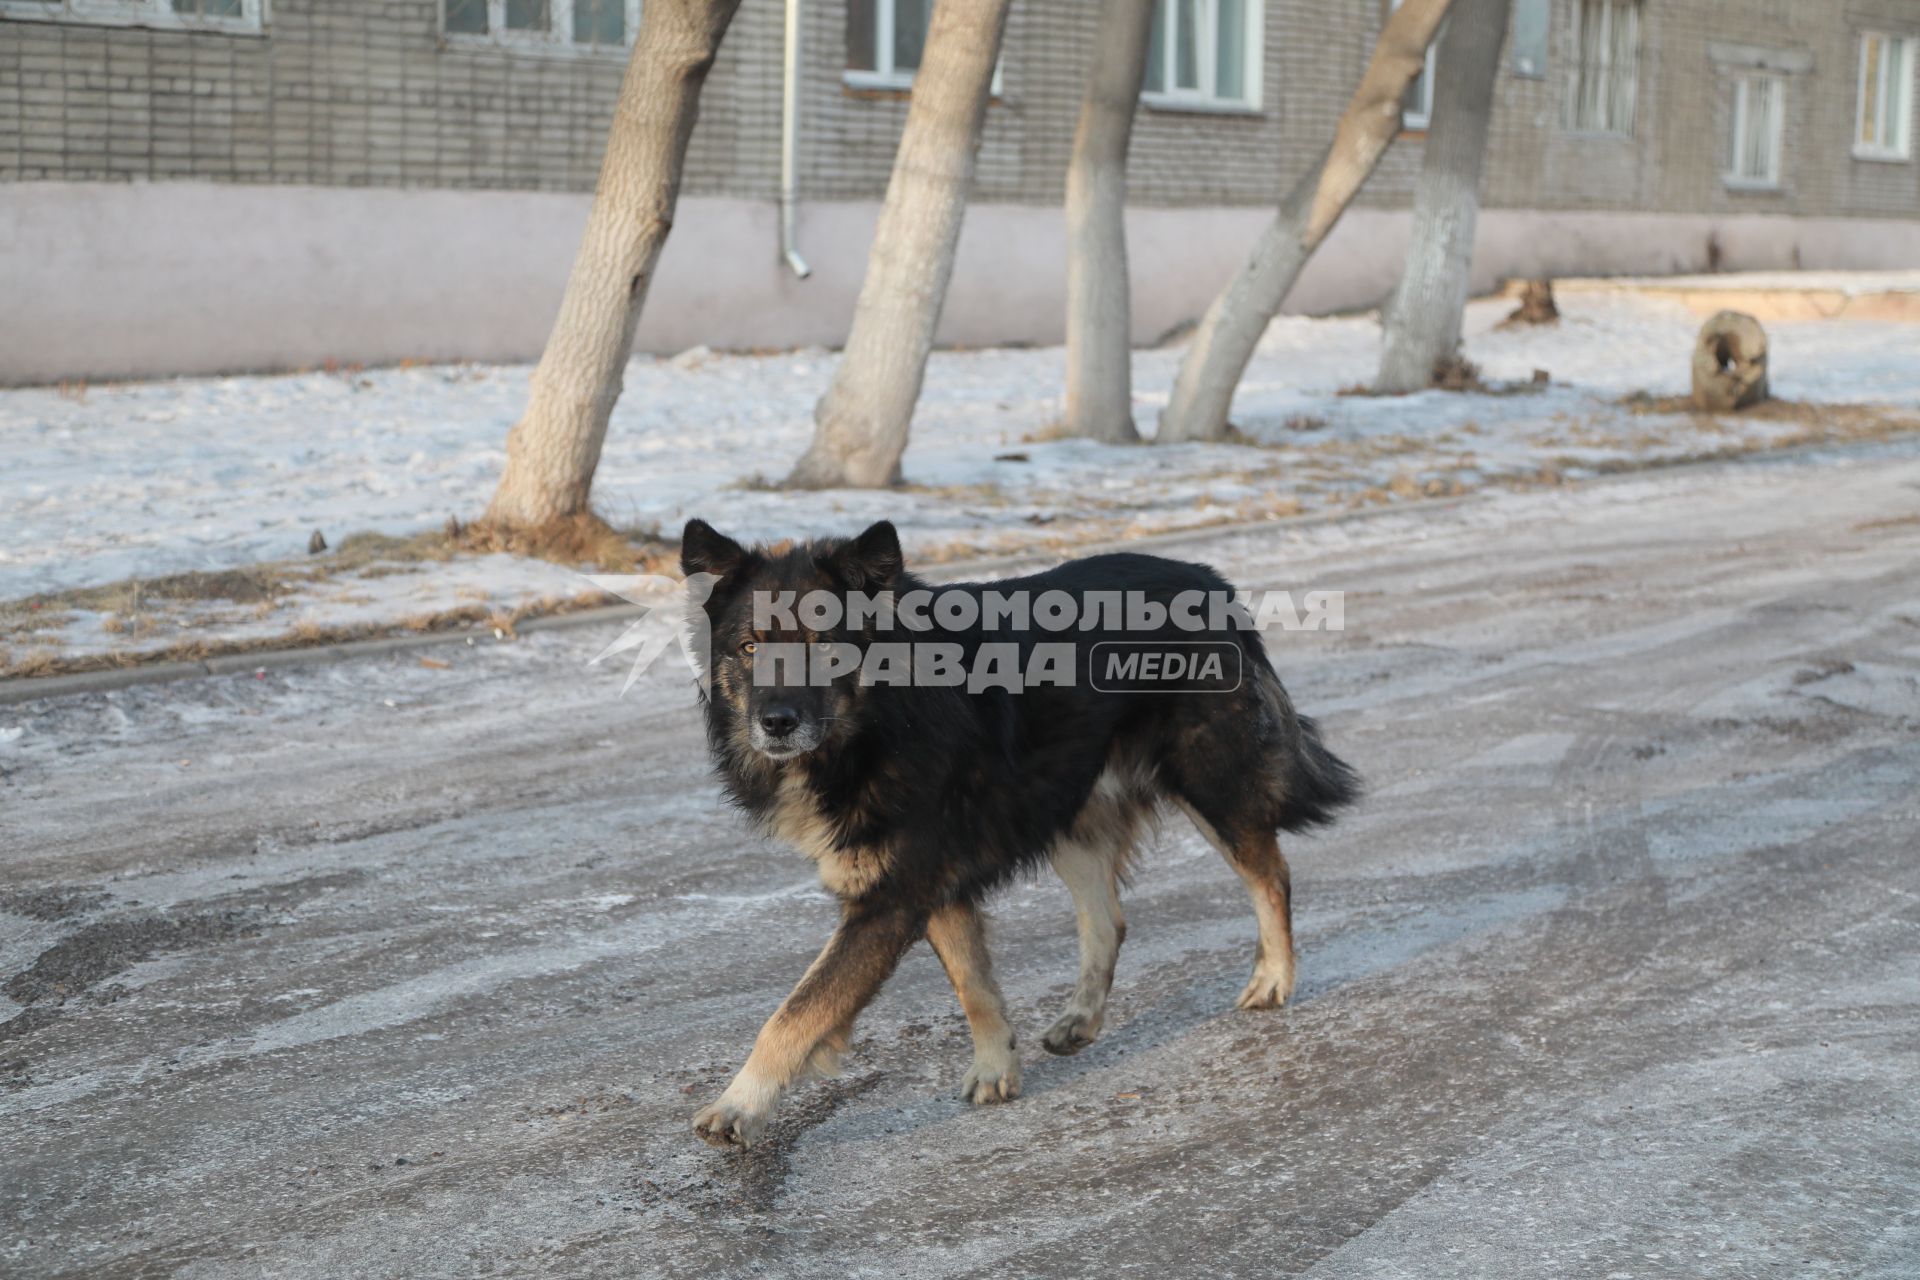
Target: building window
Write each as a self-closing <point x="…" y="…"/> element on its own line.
<point x="1416" y="109"/>
<point x="1606" y="69"/>
<point x="239" y="17"/>
<point x="1204" y="54"/>
<point x="1884" y="123"/>
<point x="884" y="40"/>
<point x="1758" y="122"/>
<point x="541" y="26"/>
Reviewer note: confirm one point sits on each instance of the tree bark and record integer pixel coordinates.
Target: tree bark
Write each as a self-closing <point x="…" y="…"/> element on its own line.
<point x="1225" y="340"/>
<point x="860" y="424"/>
<point x="1099" y="312"/>
<point x="553" y="450"/>
<point x="1424" y="316"/>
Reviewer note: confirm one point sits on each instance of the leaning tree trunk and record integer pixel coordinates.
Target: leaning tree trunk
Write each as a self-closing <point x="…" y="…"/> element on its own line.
<point x="860" y="424"/>
<point x="1423" y="317"/>
<point x="552" y="452"/>
<point x="1099" y="313"/>
<point x="1203" y="391"/>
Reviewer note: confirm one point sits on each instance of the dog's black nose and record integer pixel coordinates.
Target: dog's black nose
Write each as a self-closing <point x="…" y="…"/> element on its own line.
<point x="779" y="721"/>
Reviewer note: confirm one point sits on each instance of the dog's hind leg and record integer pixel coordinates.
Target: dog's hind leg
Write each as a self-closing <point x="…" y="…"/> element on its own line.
<point x="1092" y="875"/>
<point x="1270" y="884"/>
<point x="958" y="934"/>
<point x="1263" y="869"/>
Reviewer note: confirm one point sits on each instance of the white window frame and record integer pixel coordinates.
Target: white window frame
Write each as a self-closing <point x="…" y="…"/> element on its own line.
<point x="1207" y="97"/>
<point x="1603" y="57"/>
<point x="156" y="15"/>
<point x="556" y="41"/>
<point x="1743" y="121"/>
<point x="884" y="76"/>
<point x="1899" y="148"/>
<point x="1422" y="118"/>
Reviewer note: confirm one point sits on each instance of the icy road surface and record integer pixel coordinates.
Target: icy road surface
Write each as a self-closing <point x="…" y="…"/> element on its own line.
<point x="388" y="970"/>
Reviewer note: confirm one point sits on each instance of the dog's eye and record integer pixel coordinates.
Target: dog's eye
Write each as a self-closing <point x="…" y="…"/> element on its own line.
<point x="748" y="646"/>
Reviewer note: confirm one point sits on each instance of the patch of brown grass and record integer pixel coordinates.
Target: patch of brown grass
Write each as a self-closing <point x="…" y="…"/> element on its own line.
<point x="41" y="662"/>
<point x="584" y="538"/>
<point x="45" y="662"/>
<point x="1892" y="522"/>
<point x="1813" y="423"/>
<point x="1047" y="433"/>
<point x="988" y="494"/>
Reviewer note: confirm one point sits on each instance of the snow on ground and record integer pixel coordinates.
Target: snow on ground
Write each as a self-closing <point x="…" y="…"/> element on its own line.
<point x="1853" y="284"/>
<point x="141" y="480"/>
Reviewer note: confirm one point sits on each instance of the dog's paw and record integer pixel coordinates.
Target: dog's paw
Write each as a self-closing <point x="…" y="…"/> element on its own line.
<point x="990" y="1082"/>
<point x="727" y="1124"/>
<point x="1266" y="991"/>
<point x="1074" y="1032"/>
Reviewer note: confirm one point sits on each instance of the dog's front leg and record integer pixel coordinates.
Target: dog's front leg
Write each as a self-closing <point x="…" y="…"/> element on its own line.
<point x="958" y="933"/>
<point x="857" y="960"/>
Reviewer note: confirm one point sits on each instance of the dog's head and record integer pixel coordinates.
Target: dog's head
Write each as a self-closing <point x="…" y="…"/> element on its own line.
<point x="784" y="672"/>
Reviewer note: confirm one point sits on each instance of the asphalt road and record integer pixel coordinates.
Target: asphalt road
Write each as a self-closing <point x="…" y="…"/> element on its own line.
<point x="386" y="969"/>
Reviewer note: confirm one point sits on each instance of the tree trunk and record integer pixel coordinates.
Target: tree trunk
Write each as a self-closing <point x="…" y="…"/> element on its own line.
<point x="1424" y="316"/>
<point x="552" y="452"/>
<point x="1099" y="314"/>
<point x="860" y="424"/>
<point x="1203" y="392"/>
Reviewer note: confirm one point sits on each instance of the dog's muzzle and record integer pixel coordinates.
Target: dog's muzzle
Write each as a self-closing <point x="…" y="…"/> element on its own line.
<point x="779" y="733"/>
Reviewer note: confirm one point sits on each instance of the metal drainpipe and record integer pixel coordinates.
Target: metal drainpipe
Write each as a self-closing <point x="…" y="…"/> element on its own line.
<point x="789" y="144"/>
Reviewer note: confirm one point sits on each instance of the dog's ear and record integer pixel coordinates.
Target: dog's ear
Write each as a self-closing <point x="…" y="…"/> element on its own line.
<point x="870" y="562"/>
<point x="704" y="549"/>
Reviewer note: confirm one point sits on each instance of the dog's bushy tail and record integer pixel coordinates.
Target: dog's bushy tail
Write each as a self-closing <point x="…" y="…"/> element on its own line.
<point x="1315" y="781"/>
<point x="1309" y="783"/>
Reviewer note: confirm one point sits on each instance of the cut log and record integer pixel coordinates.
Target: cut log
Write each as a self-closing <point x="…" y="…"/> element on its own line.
<point x="1729" y="363"/>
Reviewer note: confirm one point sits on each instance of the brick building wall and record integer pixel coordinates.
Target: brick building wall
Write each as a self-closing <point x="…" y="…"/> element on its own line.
<point x="366" y="92"/>
<point x="348" y="183"/>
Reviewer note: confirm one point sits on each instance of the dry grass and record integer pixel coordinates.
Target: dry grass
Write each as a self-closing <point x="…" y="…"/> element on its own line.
<point x="1892" y="522"/>
<point x="142" y="607"/>
<point x="503" y="623"/>
<point x="585" y="538"/>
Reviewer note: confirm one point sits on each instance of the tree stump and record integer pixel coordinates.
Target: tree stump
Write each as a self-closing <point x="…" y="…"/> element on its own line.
<point x="1536" y="305"/>
<point x="1730" y="363"/>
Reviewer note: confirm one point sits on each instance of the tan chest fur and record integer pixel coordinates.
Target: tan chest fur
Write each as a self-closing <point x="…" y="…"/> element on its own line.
<point x="844" y="872"/>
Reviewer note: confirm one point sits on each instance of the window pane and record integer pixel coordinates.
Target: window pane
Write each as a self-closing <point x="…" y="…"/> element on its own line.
<point x="601" y="22"/>
<point x="1186" y="44"/>
<point x="526" y="15"/>
<point x="1230" y="47"/>
<point x="1871" y="93"/>
<point x="209" y="8"/>
<point x="1157" y="51"/>
<point x="862" y="19"/>
<point x="1753" y="163"/>
<point x="1623" y="65"/>
<point x="467" y="17"/>
<point x="1894" y="80"/>
<point x="1757" y="122"/>
<point x="909" y="32"/>
<point x="1590" y="72"/>
<point x="1900" y="95"/>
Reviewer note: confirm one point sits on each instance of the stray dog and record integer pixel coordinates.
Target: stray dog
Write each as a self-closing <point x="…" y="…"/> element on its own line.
<point x="916" y="798"/>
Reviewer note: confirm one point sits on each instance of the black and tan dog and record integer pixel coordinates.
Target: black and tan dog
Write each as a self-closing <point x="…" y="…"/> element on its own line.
<point x="916" y="799"/>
